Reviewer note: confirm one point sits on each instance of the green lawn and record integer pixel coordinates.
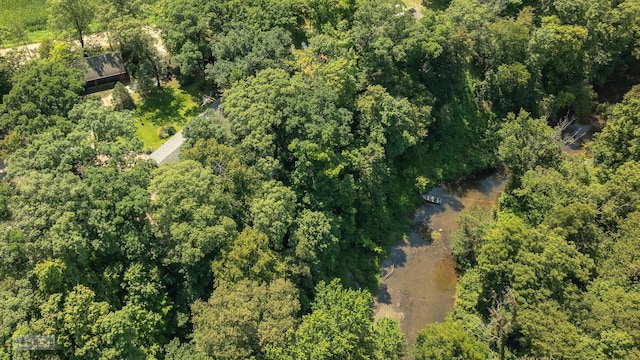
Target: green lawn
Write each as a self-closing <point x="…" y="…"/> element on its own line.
<point x="31" y="13"/>
<point x="168" y="105"/>
<point x="33" y="37"/>
<point x="148" y="133"/>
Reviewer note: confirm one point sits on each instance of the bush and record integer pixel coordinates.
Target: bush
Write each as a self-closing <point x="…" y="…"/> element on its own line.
<point x="121" y="99"/>
<point x="166" y="131"/>
<point x="46" y="45"/>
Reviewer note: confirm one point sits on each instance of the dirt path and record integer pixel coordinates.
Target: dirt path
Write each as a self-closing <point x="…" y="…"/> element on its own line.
<point x="97" y="39"/>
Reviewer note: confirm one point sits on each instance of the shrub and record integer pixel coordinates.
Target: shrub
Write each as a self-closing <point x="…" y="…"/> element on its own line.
<point x="166" y="131"/>
<point x="46" y="45"/>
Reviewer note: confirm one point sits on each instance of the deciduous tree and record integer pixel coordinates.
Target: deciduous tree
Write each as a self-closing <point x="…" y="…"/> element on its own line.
<point x="242" y="318"/>
<point x="527" y="143"/>
<point x="73" y="16"/>
<point x="448" y="340"/>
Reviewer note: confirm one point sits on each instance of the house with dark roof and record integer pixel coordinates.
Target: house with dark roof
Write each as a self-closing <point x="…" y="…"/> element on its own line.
<point x="105" y="69"/>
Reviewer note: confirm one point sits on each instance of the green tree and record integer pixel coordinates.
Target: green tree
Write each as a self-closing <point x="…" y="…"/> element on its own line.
<point x="50" y="275"/>
<point x="621" y="265"/>
<point x="41" y="90"/>
<point x="5" y="198"/>
<point x="87" y="328"/>
<point x="121" y="99"/>
<point x="378" y="28"/>
<point x="618" y="196"/>
<point x="91" y="134"/>
<point x="44" y="210"/>
<point x="73" y="16"/>
<point x="117" y="219"/>
<point x="249" y="257"/>
<point x="228" y="166"/>
<point x="468" y="239"/>
<point x="17" y="304"/>
<point x="5" y="78"/>
<point x="509" y="87"/>
<point x="618" y="143"/>
<point x="144" y="288"/>
<point x="191" y="217"/>
<point x="46" y="45"/>
<point x="549" y="333"/>
<point x="316" y="244"/>
<point x="393" y="123"/>
<point x="527" y="143"/>
<point x="535" y="263"/>
<point x="613" y="318"/>
<point x="52" y="151"/>
<point x="339" y="326"/>
<point x="325" y="13"/>
<point x="388" y="341"/>
<point x="188" y="29"/>
<point x="16" y="31"/>
<point x="542" y="189"/>
<point x="175" y="350"/>
<point x="557" y="62"/>
<point x="448" y="340"/>
<point x="113" y="133"/>
<point x="211" y="125"/>
<point x="239" y="319"/>
<point x="243" y="50"/>
<point x="577" y="223"/>
<point x="190" y="212"/>
<point x="139" y="50"/>
<point x="273" y="211"/>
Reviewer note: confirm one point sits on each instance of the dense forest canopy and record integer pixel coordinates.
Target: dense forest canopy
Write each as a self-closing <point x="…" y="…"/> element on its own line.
<point x="264" y="241"/>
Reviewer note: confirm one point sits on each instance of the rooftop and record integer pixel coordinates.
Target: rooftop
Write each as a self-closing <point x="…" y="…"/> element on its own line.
<point x="104" y="66"/>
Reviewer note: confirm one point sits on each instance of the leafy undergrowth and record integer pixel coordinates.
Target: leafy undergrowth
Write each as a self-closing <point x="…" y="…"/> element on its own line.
<point x="169" y="105"/>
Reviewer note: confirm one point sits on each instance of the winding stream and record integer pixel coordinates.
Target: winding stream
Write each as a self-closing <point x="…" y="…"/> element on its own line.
<point x="419" y="276"/>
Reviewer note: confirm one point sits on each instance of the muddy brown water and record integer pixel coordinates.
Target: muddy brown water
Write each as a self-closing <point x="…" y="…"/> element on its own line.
<point x="420" y="275"/>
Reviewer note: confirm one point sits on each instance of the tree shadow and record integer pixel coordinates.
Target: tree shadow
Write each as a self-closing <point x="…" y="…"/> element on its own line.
<point x="424" y="212"/>
<point x="383" y="296"/>
<point x="396" y="258"/>
<point x="162" y="107"/>
<point x="484" y="182"/>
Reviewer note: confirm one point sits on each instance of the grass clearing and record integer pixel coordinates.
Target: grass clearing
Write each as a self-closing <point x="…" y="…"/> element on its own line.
<point x="416" y="4"/>
<point x="31" y="13"/>
<point x="32" y="38"/>
<point x="169" y="105"/>
<point x="148" y="133"/>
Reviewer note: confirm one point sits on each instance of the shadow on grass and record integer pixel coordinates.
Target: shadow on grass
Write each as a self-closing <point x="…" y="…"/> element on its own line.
<point x="162" y="107"/>
<point x="169" y="105"/>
